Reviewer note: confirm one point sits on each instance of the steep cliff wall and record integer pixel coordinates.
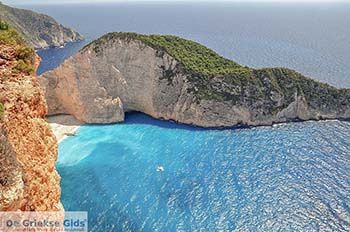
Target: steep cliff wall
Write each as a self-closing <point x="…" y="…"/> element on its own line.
<point x="172" y="78"/>
<point x="28" y="148"/>
<point x="39" y="30"/>
<point x="11" y="182"/>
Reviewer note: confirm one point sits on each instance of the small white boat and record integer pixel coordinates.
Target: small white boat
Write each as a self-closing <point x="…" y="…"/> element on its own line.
<point x="70" y="134"/>
<point x="160" y="169"/>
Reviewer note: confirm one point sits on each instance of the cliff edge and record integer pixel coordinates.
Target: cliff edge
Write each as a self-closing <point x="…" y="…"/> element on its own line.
<point x="28" y="148"/>
<point x="176" y="79"/>
<point x="38" y="30"/>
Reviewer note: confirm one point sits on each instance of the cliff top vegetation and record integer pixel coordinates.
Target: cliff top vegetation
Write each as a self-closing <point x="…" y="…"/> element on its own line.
<point x="24" y="55"/>
<point x="234" y="82"/>
<point x="194" y="56"/>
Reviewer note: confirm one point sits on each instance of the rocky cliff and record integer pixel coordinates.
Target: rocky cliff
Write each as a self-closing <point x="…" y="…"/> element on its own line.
<point x="175" y="79"/>
<point x="28" y="148"/>
<point x="39" y="30"/>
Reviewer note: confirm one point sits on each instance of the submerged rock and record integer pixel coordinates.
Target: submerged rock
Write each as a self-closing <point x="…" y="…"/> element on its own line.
<point x="176" y="79"/>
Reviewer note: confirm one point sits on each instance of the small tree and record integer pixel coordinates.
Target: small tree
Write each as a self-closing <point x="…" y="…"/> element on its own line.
<point x="26" y="53"/>
<point x="3" y="25"/>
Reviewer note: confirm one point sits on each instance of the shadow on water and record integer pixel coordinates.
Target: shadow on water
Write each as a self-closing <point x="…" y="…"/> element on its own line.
<point x="134" y="118"/>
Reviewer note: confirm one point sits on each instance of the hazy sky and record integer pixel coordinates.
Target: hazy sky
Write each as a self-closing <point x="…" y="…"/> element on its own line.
<point x="97" y="1"/>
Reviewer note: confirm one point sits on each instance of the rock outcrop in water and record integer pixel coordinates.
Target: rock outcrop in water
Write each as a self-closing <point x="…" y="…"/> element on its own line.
<point x="175" y="79"/>
<point x="39" y="30"/>
<point x="28" y="148"/>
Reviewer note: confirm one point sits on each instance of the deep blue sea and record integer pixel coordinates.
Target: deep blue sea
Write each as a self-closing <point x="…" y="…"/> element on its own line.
<point x="310" y="38"/>
<point x="290" y="177"/>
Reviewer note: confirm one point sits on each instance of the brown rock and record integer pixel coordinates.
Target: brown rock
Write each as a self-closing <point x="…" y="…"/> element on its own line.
<point x="28" y="148"/>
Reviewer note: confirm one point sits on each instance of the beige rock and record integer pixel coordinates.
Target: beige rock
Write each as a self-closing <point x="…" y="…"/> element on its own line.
<point x="87" y="84"/>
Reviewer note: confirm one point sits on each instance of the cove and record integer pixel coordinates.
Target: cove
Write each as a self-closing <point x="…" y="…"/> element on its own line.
<point x="291" y="177"/>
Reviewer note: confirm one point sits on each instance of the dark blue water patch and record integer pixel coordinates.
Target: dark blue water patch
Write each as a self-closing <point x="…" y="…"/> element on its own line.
<point x="136" y="118"/>
<point x="140" y="118"/>
<point x="53" y="57"/>
<point x="292" y="177"/>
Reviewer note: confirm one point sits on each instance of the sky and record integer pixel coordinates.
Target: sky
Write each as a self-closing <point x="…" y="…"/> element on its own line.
<point x="14" y="2"/>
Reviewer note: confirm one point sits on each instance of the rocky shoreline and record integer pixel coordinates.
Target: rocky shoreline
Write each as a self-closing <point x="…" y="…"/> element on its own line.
<point x="175" y="79"/>
<point x="39" y="30"/>
<point x="63" y="126"/>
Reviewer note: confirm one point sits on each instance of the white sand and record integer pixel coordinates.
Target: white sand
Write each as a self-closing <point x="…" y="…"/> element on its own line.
<point x="63" y="124"/>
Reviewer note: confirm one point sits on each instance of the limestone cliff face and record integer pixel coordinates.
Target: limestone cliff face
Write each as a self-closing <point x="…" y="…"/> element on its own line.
<point x="28" y="148"/>
<point x="117" y="74"/>
<point x="11" y="182"/>
<point x="39" y="30"/>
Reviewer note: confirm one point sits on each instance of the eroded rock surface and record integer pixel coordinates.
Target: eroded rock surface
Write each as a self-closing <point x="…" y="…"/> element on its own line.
<point x="28" y="149"/>
<point x="11" y="182"/>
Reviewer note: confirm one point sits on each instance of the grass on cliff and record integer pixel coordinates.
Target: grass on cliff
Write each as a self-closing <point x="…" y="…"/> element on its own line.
<point x="194" y="56"/>
<point x="236" y="83"/>
<point x="25" y="55"/>
<point x="200" y="62"/>
<point x="8" y="35"/>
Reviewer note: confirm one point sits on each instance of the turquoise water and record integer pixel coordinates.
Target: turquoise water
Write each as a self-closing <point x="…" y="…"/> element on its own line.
<point x="292" y="177"/>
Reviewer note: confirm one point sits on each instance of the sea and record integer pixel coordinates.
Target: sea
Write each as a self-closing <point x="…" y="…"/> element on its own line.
<point x="151" y="175"/>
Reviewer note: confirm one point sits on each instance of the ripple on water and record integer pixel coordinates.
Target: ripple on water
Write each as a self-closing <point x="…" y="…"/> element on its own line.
<point x="292" y="177"/>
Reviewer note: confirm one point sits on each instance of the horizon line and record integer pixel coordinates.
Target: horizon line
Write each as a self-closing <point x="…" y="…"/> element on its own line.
<point x="181" y="1"/>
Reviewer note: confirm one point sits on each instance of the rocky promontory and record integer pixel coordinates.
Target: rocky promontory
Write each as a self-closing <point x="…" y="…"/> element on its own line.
<point x="172" y="78"/>
<point x="28" y="149"/>
<point x="38" y="30"/>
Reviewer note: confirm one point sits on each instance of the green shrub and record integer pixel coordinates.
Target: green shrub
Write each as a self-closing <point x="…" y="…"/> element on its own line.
<point x="194" y="56"/>
<point x="26" y="54"/>
<point x="2" y="110"/>
<point x="3" y="25"/>
<point x="10" y="37"/>
<point x="26" y="67"/>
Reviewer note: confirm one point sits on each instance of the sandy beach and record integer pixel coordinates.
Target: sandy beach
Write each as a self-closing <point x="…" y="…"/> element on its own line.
<point x="62" y="125"/>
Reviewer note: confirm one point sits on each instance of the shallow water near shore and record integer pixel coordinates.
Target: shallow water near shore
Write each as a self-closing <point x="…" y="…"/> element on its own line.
<point x="293" y="177"/>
